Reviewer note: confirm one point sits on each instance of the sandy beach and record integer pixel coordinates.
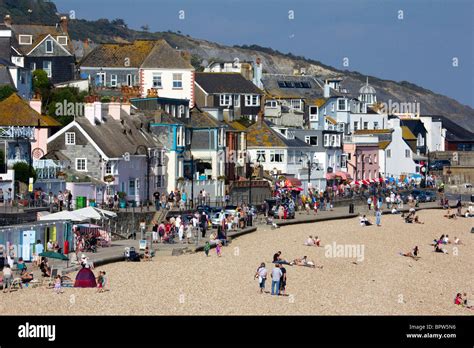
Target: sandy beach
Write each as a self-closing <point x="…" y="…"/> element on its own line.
<point x="382" y="283"/>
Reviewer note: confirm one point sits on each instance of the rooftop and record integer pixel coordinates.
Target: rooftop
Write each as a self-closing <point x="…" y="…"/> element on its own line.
<point x="225" y="83"/>
<point x="14" y="111"/>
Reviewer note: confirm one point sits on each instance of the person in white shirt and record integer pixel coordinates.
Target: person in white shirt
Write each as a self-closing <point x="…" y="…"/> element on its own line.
<point x="276" y="276"/>
<point x="261" y="274"/>
<point x="309" y="241"/>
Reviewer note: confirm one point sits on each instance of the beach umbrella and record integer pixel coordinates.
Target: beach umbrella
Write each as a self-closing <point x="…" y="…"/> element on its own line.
<point x="54" y="255"/>
<point x="63" y="215"/>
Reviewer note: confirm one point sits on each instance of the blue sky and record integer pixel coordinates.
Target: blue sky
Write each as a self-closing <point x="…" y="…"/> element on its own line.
<point x="418" y="48"/>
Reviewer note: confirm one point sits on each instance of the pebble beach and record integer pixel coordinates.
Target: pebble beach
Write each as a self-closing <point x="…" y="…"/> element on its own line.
<point x="382" y="283"/>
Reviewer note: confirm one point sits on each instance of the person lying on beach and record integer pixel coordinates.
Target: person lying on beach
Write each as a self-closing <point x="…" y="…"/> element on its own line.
<point x="395" y="211"/>
<point x="413" y="254"/>
<point x="450" y="215"/>
<point x="26" y="276"/>
<point x="364" y="221"/>
<point x="309" y="241"/>
<point x="457" y="241"/>
<point x="438" y="249"/>
<point x="278" y="260"/>
<point x="418" y="221"/>
<point x="305" y="262"/>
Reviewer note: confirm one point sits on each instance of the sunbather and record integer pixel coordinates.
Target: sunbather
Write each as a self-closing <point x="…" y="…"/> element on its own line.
<point x="413" y="254"/>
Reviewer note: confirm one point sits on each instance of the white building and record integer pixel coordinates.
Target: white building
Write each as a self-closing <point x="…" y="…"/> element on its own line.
<point x="436" y="134"/>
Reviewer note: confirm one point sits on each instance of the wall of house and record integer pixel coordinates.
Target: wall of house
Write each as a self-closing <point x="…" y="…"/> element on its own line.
<point x="382" y="121"/>
<point x="62" y="67"/>
<point x="167" y="90"/>
<point x="120" y="72"/>
<point x="41" y="139"/>
<point x="435" y="141"/>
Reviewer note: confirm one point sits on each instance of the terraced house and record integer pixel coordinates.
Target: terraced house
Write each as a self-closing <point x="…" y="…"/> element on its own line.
<point x="153" y="67"/>
<point x="46" y="47"/>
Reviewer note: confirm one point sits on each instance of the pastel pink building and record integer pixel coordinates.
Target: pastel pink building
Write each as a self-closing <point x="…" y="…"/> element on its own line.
<point x="362" y="156"/>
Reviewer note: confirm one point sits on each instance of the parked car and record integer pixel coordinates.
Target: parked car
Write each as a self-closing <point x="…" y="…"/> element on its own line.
<point x="217" y="217"/>
<point x="439" y="164"/>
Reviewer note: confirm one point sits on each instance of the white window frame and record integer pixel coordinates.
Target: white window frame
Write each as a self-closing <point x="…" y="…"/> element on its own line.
<point x="420" y="141"/>
<point x="389" y="153"/>
<point x="307" y="139"/>
<point x="130" y="181"/>
<point x="407" y="153"/>
<point x="295" y="104"/>
<point x="103" y="78"/>
<point x="345" y="104"/>
<point x="46" y="46"/>
<point x="275" y="153"/>
<point x="157" y="77"/>
<point x="113" y="80"/>
<point x="70" y="138"/>
<point x="313" y="116"/>
<point x="225" y="99"/>
<point x="49" y="72"/>
<point x="376" y="125"/>
<point x="261" y="156"/>
<point x="343" y="159"/>
<point x="326" y="140"/>
<point x="78" y="160"/>
<point x="129" y="80"/>
<point x="33" y="66"/>
<point x="252" y="100"/>
<point x="177" y="81"/>
<point x="59" y="38"/>
<point x="366" y="125"/>
<point x="29" y="42"/>
<point x="109" y="170"/>
<point x="237" y="100"/>
<point x="355" y="125"/>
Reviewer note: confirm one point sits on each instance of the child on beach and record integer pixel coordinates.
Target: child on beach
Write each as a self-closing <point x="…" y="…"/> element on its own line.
<point x="207" y="247"/>
<point x="219" y="249"/>
<point x="101" y="281"/>
<point x="57" y="285"/>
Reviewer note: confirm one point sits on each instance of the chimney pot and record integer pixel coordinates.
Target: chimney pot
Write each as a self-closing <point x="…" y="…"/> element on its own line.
<point x="63" y="23"/>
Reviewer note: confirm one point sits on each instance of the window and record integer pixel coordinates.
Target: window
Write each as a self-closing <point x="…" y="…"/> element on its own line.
<point x="129" y="80"/>
<point x="101" y="79"/>
<point x="108" y="168"/>
<point x="159" y="181"/>
<point x="157" y="80"/>
<point x="389" y="153"/>
<point x="343" y="161"/>
<point x="296" y="104"/>
<point x="47" y="67"/>
<point x="25" y="39"/>
<point x="237" y="101"/>
<point x="177" y="81"/>
<point x="341" y="104"/>
<point x="326" y="140"/>
<point x="420" y="141"/>
<point x="313" y="113"/>
<point x="32" y="66"/>
<point x="277" y="156"/>
<point x="181" y="111"/>
<point x="261" y="156"/>
<point x="271" y="104"/>
<point x="298" y="85"/>
<point x="366" y="125"/>
<point x="356" y="125"/>
<point x="180" y="136"/>
<point x="225" y="100"/>
<point x="49" y="46"/>
<point x="305" y="85"/>
<point x="70" y="138"/>
<point x="131" y="187"/>
<point x="62" y="40"/>
<point x="281" y="84"/>
<point x="252" y="100"/>
<point x="113" y="80"/>
<point x="311" y="140"/>
<point x="81" y="164"/>
<point x="376" y="125"/>
<point x="289" y="84"/>
<point x="407" y="153"/>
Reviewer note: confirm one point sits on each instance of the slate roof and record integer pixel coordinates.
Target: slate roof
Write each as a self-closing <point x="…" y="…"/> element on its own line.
<point x="226" y="83"/>
<point x="260" y="134"/>
<point x="14" y="111"/>
<point x="5" y="77"/>
<point x="166" y="57"/>
<point x="38" y="32"/>
<point x="413" y="124"/>
<point x="407" y="133"/>
<point x="139" y="54"/>
<point x="201" y="119"/>
<point x="316" y="90"/>
<point x="454" y="132"/>
<point x="110" y="137"/>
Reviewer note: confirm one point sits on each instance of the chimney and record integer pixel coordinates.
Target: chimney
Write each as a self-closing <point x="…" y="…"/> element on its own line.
<point x="115" y="110"/>
<point x="63" y="24"/>
<point x="186" y="55"/>
<point x="7" y="20"/>
<point x="35" y="104"/>
<point x="260" y="118"/>
<point x="126" y="107"/>
<point x="326" y="91"/>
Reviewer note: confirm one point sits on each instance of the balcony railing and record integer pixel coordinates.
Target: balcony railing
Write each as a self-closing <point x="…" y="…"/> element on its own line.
<point x="14" y="132"/>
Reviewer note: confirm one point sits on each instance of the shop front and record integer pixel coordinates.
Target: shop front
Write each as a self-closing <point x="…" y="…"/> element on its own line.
<point x="22" y="238"/>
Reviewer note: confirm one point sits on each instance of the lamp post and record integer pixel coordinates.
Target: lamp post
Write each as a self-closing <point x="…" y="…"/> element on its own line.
<point x="311" y="165"/>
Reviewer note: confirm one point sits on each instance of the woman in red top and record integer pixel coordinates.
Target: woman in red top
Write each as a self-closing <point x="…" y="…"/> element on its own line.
<point x="458" y="300"/>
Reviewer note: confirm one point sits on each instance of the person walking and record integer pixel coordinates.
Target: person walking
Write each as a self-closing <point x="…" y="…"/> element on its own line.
<point x="203" y="224"/>
<point x="283" y="280"/>
<point x="261" y="275"/>
<point x="276" y="276"/>
<point x="61" y="200"/>
<point x="156" y="197"/>
<point x="69" y="200"/>
<point x="378" y="217"/>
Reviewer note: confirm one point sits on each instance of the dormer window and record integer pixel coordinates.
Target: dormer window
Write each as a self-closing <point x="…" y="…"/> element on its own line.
<point x="25" y="39"/>
<point x="49" y="46"/>
<point x="62" y="40"/>
<point x="342" y="105"/>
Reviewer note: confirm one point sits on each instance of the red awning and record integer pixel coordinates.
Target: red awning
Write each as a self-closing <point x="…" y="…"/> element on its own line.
<point x="343" y="175"/>
<point x="293" y="182"/>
